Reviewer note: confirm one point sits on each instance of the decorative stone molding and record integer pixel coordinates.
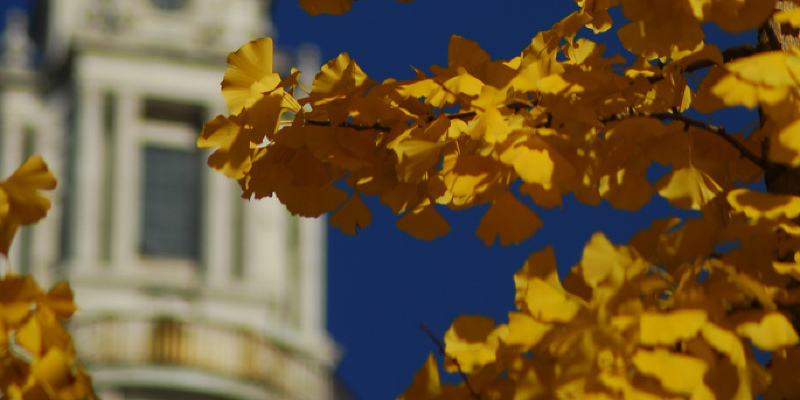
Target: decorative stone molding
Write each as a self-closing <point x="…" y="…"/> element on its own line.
<point x="228" y="352"/>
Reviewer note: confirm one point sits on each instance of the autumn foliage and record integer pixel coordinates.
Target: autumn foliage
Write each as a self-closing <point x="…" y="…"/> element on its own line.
<point x="37" y="358"/>
<point x="670" y="314"/>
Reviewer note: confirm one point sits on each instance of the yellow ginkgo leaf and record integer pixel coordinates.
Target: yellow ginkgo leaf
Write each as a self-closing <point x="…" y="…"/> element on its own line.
<point x="547" y="196"/>
<point x="531" y="160"/>
<point x="311" y="200"/>
<point x="688" y="187"/>
<point x="463" y="83"/>
<point x="740" y="15"/>
<point x="678" y="373"/>
<point x="554" y="84"/>
<point x="60" y="299"/>
<point x="726" y="342"/>
<point x="416" y="157"/>
<point x="8" y="229"/>
<point x="604" y="264"/>
<point x="491" y="127"/>
<point x="332" y="7"/>
<point x="734" y="91"/>
<point x="462" y="52"/>
<point x="424" y="222"/>
<point x="54" y="369"/>
<point x="472" y="341"/>
<point x="402" y="197"/>
<point x="626" y="189"/>
<point x="17" y="293"/>
<point x="250" y="75"/>
<point x="509" y="219"/>
<point x="534" y="69"/>
<point x="764" y="78"/>
<point x="791" y="17"/>
<point x="773" y="332"/>
<point x="20" y="200"/>
<point x="343" y="148"/>
<point x="470" y="175"/>
<point x="22" y="188"/>
<point x="755" y="204"/>
<point x="660" y="35"/>
<point x="29" y="336"/>
<point x="786" y="148"/>
<point x="53" y="332"/>
<point x="706" y="101"/>
<point x="549" y="304"/>
<point x="337" y="78"/>
<point x="704" y="52"/>
<point x="788" y="267"/>
<point x="233" y="156"/>
<point x="353" y="215"/>
<point x="431" y="89"/>
<point x="540" y="265"/>
<point x="525" y="331"/>
<point x="263" y="116"/>
<point x="5" y="205"/>
<point x="667" y="328"/>
<point x="426" y="385"/>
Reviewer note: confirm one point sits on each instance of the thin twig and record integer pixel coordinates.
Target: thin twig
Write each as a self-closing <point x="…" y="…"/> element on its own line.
<point x="458" y="366"/>
<point x="381" y="128"/>
<point x="357" y="127"/>
<point x="728" y="55"/>
<point x="717" y="130"/>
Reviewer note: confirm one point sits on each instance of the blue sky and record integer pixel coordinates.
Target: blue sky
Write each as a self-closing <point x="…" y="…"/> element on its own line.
<point x="383" y="283"/>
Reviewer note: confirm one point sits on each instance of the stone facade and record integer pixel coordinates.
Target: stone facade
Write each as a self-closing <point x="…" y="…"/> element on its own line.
<point x="185" y="291"/>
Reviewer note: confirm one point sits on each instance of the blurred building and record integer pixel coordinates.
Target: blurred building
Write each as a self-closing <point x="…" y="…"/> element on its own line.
<point x="185" y="290"/>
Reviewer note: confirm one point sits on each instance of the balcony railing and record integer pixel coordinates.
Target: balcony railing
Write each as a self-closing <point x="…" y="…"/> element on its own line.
<point x="234" y="353"/>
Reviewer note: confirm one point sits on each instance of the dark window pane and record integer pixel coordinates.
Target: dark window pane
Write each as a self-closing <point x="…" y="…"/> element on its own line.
<point x="171" y="225"/>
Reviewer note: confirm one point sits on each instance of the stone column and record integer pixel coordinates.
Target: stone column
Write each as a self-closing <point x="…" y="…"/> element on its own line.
<point x="218" y="237"/>
<point x="313" y="277"/>
<point x="11" y="139"/>
<point x="265" y="247"/>
<point x="88" y="190"/>
<point x="125" y="191"/>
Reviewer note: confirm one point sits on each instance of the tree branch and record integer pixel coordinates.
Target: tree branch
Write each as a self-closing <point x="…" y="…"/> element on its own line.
<point x="688" y="121"/>
<point x="728" y="55"/>
<point x="458" y="366"/>
<point x="357" y="127"/>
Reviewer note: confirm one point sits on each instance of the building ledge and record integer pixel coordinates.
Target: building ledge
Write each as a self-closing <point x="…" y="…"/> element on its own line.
<point x="172" y="380"/>
<point x="186" y="356"/>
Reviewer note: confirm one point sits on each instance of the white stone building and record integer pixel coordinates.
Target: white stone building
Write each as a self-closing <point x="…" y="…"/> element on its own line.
<point x="185" y="290"/>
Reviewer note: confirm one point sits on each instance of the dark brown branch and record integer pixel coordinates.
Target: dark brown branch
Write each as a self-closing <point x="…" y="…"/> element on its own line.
<point x="728" y="55"/>
<point x="458" y="366"/>
<point x="382" y="128"/>
<point x="357" y="127"/>
<point x="717" y="130"/>
<point x="464" y="116"/>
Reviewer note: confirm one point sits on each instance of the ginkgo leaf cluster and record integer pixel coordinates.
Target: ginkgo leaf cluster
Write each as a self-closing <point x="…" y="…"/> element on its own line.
<point x="37" y="357"/>
<point x="559" y="118"/>
<point x="667" y="315"/>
